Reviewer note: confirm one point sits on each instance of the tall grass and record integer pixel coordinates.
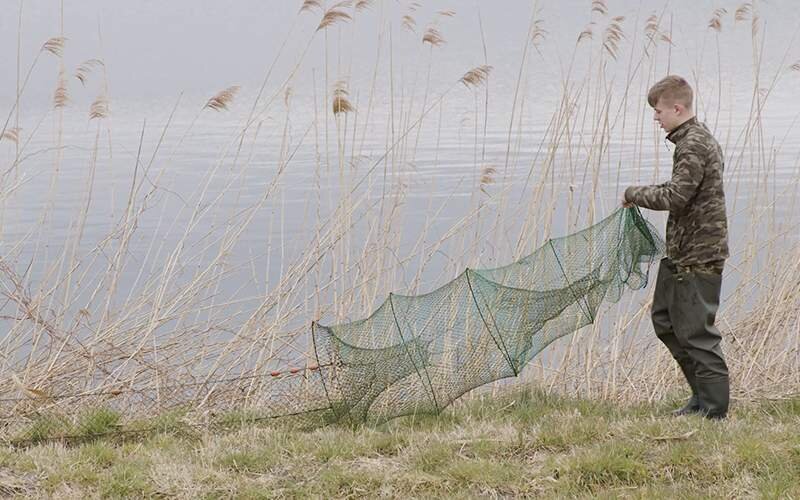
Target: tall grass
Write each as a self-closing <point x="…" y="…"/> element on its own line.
<point x="171" y="336"/>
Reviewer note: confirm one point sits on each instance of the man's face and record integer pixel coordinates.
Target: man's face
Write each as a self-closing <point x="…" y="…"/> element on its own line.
<point x="668" y="115"/>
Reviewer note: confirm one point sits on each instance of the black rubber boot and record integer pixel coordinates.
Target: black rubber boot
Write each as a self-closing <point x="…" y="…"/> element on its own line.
<point x="714" y="397"/>
<point x="693" y="405"/>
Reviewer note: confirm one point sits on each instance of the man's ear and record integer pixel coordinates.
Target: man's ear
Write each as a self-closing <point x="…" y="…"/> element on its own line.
<point x="678" y="108"/>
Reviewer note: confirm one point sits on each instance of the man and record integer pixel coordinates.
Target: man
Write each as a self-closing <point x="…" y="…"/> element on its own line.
<point x="687" y="290"/>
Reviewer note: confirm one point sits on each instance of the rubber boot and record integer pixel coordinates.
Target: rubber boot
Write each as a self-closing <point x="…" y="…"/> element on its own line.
<point x="693" y="405"/>
<point x="714" y="397"/>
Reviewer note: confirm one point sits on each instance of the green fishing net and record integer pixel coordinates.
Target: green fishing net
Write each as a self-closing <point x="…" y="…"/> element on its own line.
<point x="417" y="354"/>
<point x="414" y="354"/>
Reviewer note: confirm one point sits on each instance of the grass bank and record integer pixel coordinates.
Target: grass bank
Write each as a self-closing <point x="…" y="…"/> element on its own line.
<point x="521" y="444"/>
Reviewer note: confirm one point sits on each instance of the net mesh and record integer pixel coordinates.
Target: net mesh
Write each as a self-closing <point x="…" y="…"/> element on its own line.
<point x="417" y="354"/>
<point x="414" y="354"/>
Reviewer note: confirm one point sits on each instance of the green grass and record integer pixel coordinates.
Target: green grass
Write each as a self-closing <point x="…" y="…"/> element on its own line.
<point x="524" y="444"/>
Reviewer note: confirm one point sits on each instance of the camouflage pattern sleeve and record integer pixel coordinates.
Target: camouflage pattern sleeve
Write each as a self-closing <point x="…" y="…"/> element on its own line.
<point x="674" y="195"/>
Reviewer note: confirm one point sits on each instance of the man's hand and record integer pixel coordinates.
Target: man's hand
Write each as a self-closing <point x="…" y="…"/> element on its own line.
<point x="625" y="202"/>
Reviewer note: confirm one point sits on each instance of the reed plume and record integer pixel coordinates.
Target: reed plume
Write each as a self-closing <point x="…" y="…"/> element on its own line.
<point x="651" y="27"/>
<point x="223" y="98"/>
<point x="409" y="23"/>
<point x="340" y="102"/>
<point x="363" y="5"/>
<point x="287" y="96"/>
<point x="433" y="37"/>
<point x="743" y="11"/>
<point x="309" y="5"/>
<point x="600" y="7"/>
<point x="60" y="96"/>
<point x="487" y="178"/>
<point x="446" y="13"/>
<point x="11" y="135"/>
<point x="715" y="23"/>
<point x="334" y="15"/>
<point x="85" y="69"/>
<point x="476" y="76"/>
<point x="795" y="66"/>
<point x="587" y="32"/>
<point x="55" y="46"/>
<point x="613" y="36"/>
<point x="652" y="31"/>
<point x="99" y="108"/>
<point x="538" y="33"/>
<point x="26" y="389"/>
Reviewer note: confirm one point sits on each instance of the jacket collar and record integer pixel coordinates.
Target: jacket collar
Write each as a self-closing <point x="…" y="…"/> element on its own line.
<point x="681" y="130"/>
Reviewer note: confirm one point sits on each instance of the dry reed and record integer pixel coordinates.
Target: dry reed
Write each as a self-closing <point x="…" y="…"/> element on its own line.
<point x="309" y="5"/>
<point x="487" y="178"/>
<point x="99" y="108"/>
<point x="55" y="46"/>
<point x="476" y="76"/>
<point x="538" y="34"/>
<point x="409" y="23"/>
<point x="433" y="37"/>
<point x="613" y="36"/>
<point x="715" y="22"/>
<point x="86" y="68"/>
<point x="11" y="135"/>
<point x="341" y="104"/>
<point x="335" y="15"/>
<point x="587" y="32"/>
<point x="743" y="12"/>
<point x="600" y="7"/>
<point x="175" y="339"/>
<point x="222" y="99"/>
<point x="363" y="4"/>
<point x="61" y="95"/>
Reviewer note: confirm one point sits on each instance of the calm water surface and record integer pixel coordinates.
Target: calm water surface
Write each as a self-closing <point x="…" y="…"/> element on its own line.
<point x="168" y="59"/>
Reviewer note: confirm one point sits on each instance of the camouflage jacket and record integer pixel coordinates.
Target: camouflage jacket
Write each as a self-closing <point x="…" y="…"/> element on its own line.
<point x="697" y="227"/>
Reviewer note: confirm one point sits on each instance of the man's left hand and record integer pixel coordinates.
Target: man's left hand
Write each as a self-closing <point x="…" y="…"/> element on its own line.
<point x="625" y="202"/>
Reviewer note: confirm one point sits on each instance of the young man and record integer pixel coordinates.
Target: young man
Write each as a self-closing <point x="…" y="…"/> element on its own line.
<point x="688" y="285"/>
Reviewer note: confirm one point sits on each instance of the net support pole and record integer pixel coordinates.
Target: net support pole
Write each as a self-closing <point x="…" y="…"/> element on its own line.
<point x="581" y="301"/>
<point x="427" y="377"/>
<point x="500" y="345"/>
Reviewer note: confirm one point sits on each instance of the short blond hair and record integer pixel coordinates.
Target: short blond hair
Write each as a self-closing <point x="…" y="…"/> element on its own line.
<point x="673" y="89"/>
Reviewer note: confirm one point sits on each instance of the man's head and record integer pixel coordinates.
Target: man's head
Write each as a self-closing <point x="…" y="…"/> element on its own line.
<point x="671" y="99"/>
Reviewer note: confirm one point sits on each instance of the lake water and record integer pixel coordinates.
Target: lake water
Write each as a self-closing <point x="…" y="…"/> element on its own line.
<point x="410" y="180"/>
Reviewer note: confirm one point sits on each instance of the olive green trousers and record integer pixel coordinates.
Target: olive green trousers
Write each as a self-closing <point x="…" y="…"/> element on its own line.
<point x="685" y="304"/>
